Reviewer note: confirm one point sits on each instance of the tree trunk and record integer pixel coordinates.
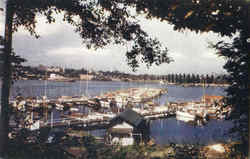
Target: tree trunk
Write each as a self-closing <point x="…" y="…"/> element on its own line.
<point x="6" y="82"/>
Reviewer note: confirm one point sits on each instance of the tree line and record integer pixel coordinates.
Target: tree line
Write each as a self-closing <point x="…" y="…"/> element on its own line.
<point x="194" y="78"/>
<point x="30" y="72"/>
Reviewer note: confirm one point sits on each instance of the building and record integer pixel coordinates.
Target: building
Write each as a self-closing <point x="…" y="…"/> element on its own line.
<point x="42" y="68"/>
<point x="54" y="76"/>
<point x="54" y="69"/>
<point x="86" y="77"/>
<point x="128" y="128"/>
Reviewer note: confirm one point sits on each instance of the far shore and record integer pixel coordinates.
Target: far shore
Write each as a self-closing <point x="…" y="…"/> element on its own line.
<point x="144" y="81"/>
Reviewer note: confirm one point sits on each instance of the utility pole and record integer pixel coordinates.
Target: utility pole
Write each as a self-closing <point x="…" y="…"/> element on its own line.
<point x="6" y="81"/>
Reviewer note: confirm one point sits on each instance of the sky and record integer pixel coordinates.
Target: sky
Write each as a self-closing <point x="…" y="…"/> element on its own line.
<point x="60" y="46"/>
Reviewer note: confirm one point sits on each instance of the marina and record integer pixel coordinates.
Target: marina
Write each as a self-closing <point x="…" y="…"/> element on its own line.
<point x="85" y="115"/>
<point x="108" y="105"/>
<point x="103" y="108"/>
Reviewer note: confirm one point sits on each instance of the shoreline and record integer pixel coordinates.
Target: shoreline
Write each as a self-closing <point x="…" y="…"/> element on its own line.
<point x="137" y="81"/>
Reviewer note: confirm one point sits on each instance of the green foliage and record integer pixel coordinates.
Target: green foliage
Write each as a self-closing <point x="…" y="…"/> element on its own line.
<point x="223" y="16"/>
<point x="16" y="64"/>
<point x="34" y="144"/>
<point x="99" y="23"/>
<point x="237" y="55"/>
<point x="16" y="61"/>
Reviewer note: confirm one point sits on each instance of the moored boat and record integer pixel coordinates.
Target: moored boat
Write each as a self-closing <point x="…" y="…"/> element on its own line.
<point x="185" y="116"/>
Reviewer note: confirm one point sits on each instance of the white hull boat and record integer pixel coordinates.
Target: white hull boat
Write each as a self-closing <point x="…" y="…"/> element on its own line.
<point x="185" y="116"/>
<point x="74" y="109"/>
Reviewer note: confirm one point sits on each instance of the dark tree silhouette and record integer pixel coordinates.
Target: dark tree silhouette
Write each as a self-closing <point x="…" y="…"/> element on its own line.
<point x="197" y="79"/>
<point x="237" y="55"/>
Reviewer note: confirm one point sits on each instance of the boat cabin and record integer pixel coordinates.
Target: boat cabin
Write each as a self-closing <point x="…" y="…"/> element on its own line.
<point x="211" y="99"/>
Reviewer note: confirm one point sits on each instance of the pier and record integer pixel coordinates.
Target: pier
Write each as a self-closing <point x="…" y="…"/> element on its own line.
<point x="102" y="120"/>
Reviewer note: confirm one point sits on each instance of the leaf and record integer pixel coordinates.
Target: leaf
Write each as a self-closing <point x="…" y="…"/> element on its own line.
<point x="227" y="13"/>
<point x="173" y="7"/>
<point x="188" y="14"/>
<point x="208" y="28"/>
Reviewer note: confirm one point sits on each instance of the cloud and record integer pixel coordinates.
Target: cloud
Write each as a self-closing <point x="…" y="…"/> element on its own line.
<point x="45" y="29"/>
<point x="81" y="57"/>
<point x="190" y="50"/>
<point x="60" y="45"/>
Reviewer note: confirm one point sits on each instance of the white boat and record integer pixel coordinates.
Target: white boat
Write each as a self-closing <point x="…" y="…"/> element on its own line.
<point x="59" y="106"/>
<point x="35" y="125"/>
<point x="161" y="82"/>
<point x="105" y="104"/>
<point x="137" y="99"/>
<point x="121" y="101"/>
<point x="74" y="109"/>
<point x="185" y="116"/>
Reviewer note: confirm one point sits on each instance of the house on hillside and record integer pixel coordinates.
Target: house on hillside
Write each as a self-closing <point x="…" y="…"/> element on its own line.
<point x="54" y="69"/>
<point x="128" y="128"/>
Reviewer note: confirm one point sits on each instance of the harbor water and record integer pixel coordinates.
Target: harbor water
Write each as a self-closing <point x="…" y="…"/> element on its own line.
<point x="163" y="131"/>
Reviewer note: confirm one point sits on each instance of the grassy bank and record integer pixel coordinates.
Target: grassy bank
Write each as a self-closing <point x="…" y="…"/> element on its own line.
<point x="80" y="145"/>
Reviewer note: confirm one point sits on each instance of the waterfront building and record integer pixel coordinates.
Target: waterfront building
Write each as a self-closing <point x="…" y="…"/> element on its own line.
<point x="128" y="128"/>
<point x="86" y="77"/>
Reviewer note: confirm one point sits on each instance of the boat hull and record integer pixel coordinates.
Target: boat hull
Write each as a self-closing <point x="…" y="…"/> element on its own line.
<point x="185" y="116"/>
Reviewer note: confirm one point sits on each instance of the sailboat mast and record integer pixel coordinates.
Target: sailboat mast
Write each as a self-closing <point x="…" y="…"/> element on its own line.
<point x="45" y="97"/>
<point x="86" y="91"/>
<point x="45" y="83"/>
<point x="80" y="88"/>
<point x="51" y="120"/>
<point x="204" y="91"/>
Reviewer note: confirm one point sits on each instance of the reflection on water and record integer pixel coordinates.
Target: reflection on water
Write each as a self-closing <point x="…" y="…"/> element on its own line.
<point x="170" y="130"/>
<point x="163" y="130"/>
